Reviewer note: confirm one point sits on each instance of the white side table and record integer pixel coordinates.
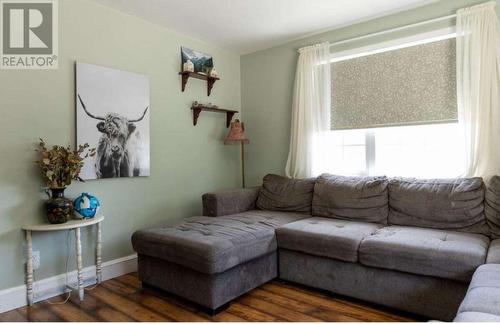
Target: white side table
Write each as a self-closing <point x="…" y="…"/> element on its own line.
<point x="70" y="225"/>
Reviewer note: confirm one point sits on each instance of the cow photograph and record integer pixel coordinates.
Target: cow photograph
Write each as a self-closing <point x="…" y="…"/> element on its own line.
<point x="112" y="116"/>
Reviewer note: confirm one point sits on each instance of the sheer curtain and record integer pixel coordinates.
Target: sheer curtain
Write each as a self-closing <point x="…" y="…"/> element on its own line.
<point x="478" y="87"/>
<point x="310" y="108"/>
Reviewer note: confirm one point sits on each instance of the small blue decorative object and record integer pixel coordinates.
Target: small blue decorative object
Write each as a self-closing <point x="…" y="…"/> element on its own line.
<point x="86" y="206"/>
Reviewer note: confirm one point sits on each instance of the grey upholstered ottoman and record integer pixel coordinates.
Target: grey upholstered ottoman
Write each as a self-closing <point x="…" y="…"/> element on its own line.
<point x="211" y="260"/>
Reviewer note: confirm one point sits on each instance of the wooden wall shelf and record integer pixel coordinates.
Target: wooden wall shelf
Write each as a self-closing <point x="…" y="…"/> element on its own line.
<point x="199" y="108"/>
<point x="210" y="80"/>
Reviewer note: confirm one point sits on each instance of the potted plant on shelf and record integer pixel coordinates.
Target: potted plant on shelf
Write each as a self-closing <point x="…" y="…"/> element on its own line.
<point x="59" y="167"/>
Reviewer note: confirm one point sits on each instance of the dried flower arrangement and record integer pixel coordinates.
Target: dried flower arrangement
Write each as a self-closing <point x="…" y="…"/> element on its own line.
<point x="61" y="165"/>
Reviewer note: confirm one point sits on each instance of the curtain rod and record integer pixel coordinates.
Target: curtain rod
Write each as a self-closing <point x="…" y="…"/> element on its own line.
<point x="393" y="30"/>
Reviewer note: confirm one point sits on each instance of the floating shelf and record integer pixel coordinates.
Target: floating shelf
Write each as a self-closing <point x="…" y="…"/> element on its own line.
<point x="210" y="80"/>
<point x="199" y="108"/>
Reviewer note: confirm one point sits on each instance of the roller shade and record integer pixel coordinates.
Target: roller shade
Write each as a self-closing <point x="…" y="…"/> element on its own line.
<point x="408" y="86"/>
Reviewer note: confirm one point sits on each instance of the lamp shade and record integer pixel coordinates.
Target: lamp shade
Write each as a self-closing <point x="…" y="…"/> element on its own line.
<point x="236" y="134"/>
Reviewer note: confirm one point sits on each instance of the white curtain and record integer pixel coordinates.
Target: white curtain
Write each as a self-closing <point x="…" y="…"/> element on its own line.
<point x="310" y="108"/>
<point x="478" y="87"/>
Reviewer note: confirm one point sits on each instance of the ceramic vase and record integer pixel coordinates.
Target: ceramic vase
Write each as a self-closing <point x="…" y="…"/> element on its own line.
<point x="188" y="66"/>
<point x="58" y="208"/>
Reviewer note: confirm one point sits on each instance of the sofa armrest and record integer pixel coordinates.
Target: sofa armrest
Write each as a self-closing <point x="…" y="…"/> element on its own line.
<point x="230" y="201"/>
<point x="494" y="252"/>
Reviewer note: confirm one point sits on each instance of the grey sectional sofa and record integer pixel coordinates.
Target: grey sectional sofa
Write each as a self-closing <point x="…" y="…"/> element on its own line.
<point x="405" y="243"/>
<point x="482" y="302"/>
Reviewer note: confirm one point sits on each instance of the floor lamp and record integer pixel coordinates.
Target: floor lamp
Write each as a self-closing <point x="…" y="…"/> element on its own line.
<point x="237" y="136"/>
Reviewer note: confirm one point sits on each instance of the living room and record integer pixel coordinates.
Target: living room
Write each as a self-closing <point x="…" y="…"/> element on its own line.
<point x="265" y="160"/>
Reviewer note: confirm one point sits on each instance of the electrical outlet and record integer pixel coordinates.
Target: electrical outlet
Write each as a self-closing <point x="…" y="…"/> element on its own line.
<point x="36" y="260"/>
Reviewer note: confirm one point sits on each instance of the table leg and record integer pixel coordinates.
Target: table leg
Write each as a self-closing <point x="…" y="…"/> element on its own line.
<point x="79" y="263"/>
<point x="98" y="254"/>
<point x="29" y="268"/>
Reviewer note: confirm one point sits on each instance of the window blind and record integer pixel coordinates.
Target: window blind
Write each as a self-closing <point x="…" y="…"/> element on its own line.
<point x="408" y="86"/>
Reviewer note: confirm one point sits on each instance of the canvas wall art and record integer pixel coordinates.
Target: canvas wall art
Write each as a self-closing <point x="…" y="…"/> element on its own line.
<point x="112" y="115"/>
<point x="202" y="62"/>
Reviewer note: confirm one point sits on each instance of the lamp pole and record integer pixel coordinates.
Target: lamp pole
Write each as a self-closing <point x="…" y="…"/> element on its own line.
<point x="237" y="135"/>
<point x="243" y="164"/>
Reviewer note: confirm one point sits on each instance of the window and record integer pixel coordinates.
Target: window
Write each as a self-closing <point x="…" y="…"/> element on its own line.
<point x="427" y="151"/>
<point x="422" y="151"/>
<point x="394" y="111"/>
<point x="341" y="152"/>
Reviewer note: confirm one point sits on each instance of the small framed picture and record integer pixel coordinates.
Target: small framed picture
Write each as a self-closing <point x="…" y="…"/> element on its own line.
<point x="202" y="62"/>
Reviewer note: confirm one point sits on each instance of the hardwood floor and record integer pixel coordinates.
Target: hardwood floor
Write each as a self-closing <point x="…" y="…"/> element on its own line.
<point x="123" y="299"/>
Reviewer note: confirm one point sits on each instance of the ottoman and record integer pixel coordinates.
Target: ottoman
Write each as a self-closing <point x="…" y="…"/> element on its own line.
<point x="211" y="260"/>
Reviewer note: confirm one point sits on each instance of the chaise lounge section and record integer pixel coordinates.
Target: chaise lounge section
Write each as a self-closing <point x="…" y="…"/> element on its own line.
<point x="405" y="243"/>
<point x="211" y="260"/>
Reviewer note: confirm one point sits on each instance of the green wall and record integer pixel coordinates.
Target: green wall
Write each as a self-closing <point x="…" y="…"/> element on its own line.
<point x="267" y="79"/>
<point x="186" y="161"/>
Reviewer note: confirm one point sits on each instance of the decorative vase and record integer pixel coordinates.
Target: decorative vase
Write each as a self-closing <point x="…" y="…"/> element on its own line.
<point x="213" y="73"/>
<point x="188" y="66"/>
<point x="58" y="207"/>
<point x="86" y="206"/>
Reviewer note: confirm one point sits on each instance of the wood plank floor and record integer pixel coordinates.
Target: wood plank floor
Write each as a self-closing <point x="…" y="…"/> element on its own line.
<point x="123" y="299"/>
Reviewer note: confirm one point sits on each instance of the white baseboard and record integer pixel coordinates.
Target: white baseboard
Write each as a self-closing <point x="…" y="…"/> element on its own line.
<point x="15" y="297"/>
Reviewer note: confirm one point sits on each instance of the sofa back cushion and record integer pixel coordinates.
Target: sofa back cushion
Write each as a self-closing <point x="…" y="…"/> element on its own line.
<point x="351" y="198"/>
<point x="492" y="206"/>
<point x="283" y="194"/>
<point x="454" y="204"/>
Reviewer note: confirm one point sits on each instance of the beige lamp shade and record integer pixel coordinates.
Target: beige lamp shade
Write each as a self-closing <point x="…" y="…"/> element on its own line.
<point x="236" y="134"/>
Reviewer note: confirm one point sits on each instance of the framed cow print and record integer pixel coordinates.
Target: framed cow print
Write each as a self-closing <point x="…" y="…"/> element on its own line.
<point x="112" y="115"/>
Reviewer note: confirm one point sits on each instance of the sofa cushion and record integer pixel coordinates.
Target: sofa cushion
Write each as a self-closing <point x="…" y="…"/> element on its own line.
<point x="469" y="317"/>
<point x="437" y="253"/>
<point x="494" y="252"/>
<point x="214" y="244"/>
<point x="454" y="204"/>
<point x="492" y="206"/>
<point x="361" y="199"/>
<point x="284" y="194"/>
<point x="483" y="295"/>
<point x="332" y="238"/>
